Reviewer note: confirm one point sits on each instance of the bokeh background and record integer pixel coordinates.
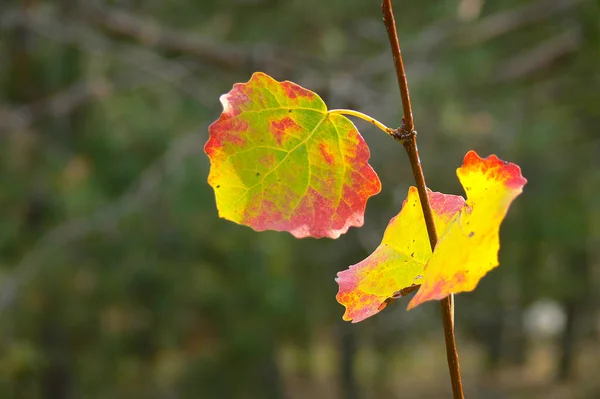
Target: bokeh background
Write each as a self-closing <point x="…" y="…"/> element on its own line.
<point x="118" y="279"/>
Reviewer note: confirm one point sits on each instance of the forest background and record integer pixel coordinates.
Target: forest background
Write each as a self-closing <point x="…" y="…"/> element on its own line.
<point x="118" y="279"/>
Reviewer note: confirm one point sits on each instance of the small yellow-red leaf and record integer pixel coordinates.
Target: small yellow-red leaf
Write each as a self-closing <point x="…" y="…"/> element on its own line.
<point x="468" y="249"/>
<point x="399" y="261"/>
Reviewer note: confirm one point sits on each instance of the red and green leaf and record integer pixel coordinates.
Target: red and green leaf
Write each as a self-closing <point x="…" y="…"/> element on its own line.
<point x="280" y="161"/>
<point x="467" y="247"/>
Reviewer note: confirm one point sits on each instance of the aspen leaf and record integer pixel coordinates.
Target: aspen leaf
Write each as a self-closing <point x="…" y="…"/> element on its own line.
<point x="399" y="261"/>
<point x="467" y="247"/>
<point x="280" y="161"/>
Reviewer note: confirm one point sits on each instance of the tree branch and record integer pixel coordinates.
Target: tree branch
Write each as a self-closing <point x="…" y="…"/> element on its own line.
<point x="81" y="36"/>
<point x="503" y="22"/>
<point x="64" y="102"/>
<point x="152" y="34"/>
<point x="408" y="137"/>
<point x="141" y="192"/>
<point x="531" y="61"/>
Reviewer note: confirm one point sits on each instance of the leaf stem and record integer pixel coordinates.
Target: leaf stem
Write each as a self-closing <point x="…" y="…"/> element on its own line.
<point x="389" y="131"/>
<point x="408" y="137"/>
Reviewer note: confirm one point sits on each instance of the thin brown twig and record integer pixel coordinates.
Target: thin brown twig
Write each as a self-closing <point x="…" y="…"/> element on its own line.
<point x="408" y="137"/>
<point x="390" y="26"/>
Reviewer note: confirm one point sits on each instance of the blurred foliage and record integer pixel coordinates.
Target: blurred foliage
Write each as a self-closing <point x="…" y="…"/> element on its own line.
<point x="118" y="280"/>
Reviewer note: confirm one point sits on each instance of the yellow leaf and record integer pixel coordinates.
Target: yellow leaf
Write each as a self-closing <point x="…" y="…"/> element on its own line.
<point x="468" y="249"/>
<point x="399" y="261"/>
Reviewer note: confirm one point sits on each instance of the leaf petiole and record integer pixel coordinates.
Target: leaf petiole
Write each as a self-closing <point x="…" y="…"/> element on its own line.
<point x="387" y="130"/>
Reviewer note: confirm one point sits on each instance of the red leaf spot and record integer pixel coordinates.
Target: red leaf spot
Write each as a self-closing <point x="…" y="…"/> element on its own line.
<point x="279" y="128"/>
<point x="327" y="155"/>
<point x="358" y="307"/>
<point x="294" y="91"/>
<point x="459" y="278"/>
<point x="427" y="293"/>
<point x="267" y="161"/>
<point x="446" y="205"/>
<point x="313" y="215"/>
<point x="437" y="291"/>
<point x="225" y="131"/>
<point x="506" y="172"/>
<point x="234" y="101"/>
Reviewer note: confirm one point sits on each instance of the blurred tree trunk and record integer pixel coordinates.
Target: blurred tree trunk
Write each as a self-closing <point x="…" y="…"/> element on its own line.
<point x="567" y="342"/>
<point x="492" y="336"/>
<point x="348" y="346"/>
<point x="517" y="341"/>
<point x="57" y="372"/>
<point x="56" y="375"/>
<point x="347" y="332"/>
<point x="272" y="377"/>
<point x="515" y="337"/>
<point x="577" y="310"/>
<point x="70" y="67"/>
<point x="21" y="87"/>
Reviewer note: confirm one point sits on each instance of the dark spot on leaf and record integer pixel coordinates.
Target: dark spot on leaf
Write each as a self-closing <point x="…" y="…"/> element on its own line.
<point x="412" y="255"/>
<point x="413" y="240"/>
<point x="471" y="234"/>
<point x="289" y="110"/>
<point x="219" y="186"/>
<point x="257" y="173"/>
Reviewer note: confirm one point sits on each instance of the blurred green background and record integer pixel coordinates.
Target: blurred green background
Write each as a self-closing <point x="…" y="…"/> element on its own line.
<point x="118" y="279"/>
